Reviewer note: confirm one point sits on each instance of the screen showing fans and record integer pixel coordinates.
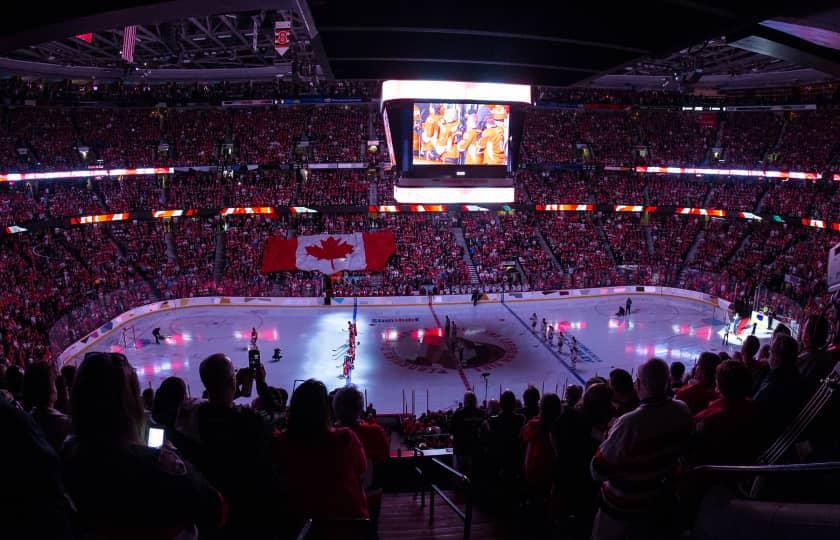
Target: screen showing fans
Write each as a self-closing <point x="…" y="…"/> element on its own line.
<point x="460" y="134"/>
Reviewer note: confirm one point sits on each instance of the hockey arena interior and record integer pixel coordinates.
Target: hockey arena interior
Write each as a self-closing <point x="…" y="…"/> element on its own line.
<point x="302" y="270"/>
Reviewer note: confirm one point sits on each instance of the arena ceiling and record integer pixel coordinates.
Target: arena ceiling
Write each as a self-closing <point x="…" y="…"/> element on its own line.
<point x="548" y="43"/>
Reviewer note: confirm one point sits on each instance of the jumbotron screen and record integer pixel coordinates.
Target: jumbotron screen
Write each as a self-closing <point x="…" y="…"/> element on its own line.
<point x="460" y="134"/>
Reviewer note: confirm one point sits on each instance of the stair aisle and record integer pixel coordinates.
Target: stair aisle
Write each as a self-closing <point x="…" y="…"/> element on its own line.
<point x="403" y="518"/>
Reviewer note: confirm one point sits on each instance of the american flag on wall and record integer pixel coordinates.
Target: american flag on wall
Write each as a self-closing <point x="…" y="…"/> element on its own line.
<point x="129" y="38"/>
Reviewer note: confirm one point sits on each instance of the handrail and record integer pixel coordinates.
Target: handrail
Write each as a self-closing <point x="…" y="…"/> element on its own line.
<point x="772" y="469"/>
<point x="457" y="474"/>
<point x="466" y="514"/>
<point x="304" y="531"/>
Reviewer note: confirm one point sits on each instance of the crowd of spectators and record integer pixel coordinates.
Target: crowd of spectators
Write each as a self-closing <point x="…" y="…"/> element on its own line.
<point x="549" y="137"/>
<point x="582" y="463"/>
<point x="747" y="138"/>
<point x="124" y="194"/>
<point x="335" y="187"/>
<point x="427" y="255"/>
<point x="19" y="204"/>
<point x="578" y="464"/>
<point x="672" y="237"/>
<point x="737" y="194"/>
<point x="196" y="190"/>
<point x="720" y="239"/>
<point x="265" y="187"/>
<point x="680" y="192"/>
<point x="553" y="187"/>
<point x="267" y="135"/>
<point x="498" y="243"/>
<point x="808" y="140"/>
<point x="620" y="188"/>
<point x="51" y="138"/>
<point x="120" y="137"/>
<point x="108" y="267"/>
<point x="627" y="239"/>
<point x="580" y="252"/>
<point x="104" y="268"/>
<point x="792" y="198"/>
<point x="48" y="134"/>
<point x="338" y="133"/>
<point x="674" y="138"/>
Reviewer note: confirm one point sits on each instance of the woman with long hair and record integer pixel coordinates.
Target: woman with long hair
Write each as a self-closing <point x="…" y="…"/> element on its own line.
<point x="120" y="487"/>
<point x="321" y="464"/>
<point x="539" y="454"/>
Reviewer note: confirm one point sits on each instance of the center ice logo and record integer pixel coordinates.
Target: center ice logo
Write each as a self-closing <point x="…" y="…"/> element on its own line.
<point x="430" y="351"/>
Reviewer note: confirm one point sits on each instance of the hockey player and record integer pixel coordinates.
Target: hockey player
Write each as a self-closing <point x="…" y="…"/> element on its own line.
<point x="468" y="145"/>
<point x="533" y="322"/>
<point x="550" y="334"/>
<point x="492" y="142"/>
<point x="345" y="369"/>
<point x="446" y="146"/>
<point x="429" y="134"/>
<point x="253" y="336"/>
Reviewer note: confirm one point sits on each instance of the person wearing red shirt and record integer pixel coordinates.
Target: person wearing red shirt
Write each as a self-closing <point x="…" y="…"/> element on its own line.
<point x="701" y="391"/>
<point x="323" y="466"/>
<point x="726" y="429"/>
<point x="348" y="406"/>
<point x="539" y="453"/>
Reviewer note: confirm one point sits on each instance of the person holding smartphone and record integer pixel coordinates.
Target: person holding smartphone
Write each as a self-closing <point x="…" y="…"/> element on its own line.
<point x="230" y="443"/>
<point x="120" y="486"/>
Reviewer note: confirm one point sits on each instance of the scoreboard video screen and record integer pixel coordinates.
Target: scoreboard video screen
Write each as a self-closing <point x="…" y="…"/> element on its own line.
<point x="460" y="134"/>
<point x="453" y="142"/>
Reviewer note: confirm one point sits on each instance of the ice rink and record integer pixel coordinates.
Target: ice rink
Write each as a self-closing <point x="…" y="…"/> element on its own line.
<point x="403" y="349"/>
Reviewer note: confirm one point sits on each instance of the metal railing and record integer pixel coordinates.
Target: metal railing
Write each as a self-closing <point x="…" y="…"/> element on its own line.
<point x="827" y="466"/>
<point x="426" y="484"/>
<point x="304" y="531"/>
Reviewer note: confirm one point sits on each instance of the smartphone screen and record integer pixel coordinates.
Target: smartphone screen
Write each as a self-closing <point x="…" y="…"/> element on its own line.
<point x="254" y="360"/>
<point x="155" y="439"/>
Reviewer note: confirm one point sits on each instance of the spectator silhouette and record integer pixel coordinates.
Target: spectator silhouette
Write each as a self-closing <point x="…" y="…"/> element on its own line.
<point x="638" y="460"/>
<point x="230" y="444"/>
<point x="120" y="487"/>
<point x="321" y="465"/>
<point x="39" y="395"/>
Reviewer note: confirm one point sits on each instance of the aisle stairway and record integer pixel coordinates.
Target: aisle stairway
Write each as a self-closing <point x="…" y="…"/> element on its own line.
<point x="403" y="518"/>
<point x="691" y="254"/>
<point x="541" y="239"/>
<point x="458" y="233"/>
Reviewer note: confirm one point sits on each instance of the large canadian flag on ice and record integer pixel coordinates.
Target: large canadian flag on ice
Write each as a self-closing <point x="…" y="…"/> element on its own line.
<point x="329" y="253"/>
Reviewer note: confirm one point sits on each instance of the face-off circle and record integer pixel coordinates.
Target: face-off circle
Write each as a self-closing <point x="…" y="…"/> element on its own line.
<point x="429" y="350"/>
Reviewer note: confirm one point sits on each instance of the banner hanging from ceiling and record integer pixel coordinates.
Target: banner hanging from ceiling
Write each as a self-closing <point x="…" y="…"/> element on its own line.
<point x="282" y="36"/>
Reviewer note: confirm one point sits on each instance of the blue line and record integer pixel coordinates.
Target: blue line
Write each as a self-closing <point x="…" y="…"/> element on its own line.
<point x="546" y="345"/>
<point x="355" y="308"/>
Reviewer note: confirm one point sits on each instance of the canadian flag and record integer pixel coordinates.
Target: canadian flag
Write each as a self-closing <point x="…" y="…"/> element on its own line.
<point x="329" y="253"/>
